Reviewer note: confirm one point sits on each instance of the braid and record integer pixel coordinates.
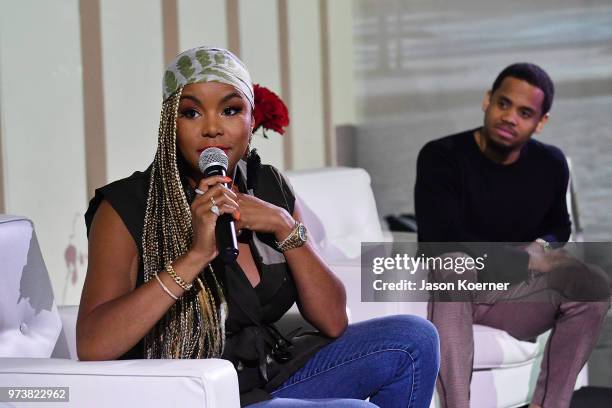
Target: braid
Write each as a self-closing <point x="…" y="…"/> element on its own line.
<point x="194" y="326"/>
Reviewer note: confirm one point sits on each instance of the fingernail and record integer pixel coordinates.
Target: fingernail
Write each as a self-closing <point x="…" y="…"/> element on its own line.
<point x="237" y="215"/>
<point x="228" y="179"/>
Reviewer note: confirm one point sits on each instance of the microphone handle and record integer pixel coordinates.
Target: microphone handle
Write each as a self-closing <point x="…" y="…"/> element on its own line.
<point x="227" y="243"/>
<point x="225" y="232"/>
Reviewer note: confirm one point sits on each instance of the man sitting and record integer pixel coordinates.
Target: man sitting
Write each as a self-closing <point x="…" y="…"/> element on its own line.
<point x="496" y="184"/>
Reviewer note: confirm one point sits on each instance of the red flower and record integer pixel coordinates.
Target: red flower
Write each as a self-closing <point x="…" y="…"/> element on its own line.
<point x="270" y="112"/>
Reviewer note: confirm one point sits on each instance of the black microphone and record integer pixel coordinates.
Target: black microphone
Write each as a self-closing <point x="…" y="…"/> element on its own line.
<point x="213" y="162"/>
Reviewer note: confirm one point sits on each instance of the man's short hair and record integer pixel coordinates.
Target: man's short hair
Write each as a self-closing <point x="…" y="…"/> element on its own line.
<point x="533" y="75"/>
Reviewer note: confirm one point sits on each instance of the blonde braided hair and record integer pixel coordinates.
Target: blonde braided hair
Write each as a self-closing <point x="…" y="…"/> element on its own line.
<point x="194" y="326"/>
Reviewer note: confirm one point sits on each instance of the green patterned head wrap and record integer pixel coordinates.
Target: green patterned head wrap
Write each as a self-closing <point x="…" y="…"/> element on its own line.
<point x="194" y="326"/>
<point x="206" y="64"/>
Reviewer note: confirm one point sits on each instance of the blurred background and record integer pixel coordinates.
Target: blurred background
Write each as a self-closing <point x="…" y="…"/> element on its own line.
<point x="367" y="83"/>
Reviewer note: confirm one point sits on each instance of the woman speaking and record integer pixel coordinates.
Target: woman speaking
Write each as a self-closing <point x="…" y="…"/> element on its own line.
<point x="156" y="286"/>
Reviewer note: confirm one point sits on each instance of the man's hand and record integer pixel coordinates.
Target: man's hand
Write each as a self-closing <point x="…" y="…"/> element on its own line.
<point x="545" y="262"/>
<point x="534" y="249"/>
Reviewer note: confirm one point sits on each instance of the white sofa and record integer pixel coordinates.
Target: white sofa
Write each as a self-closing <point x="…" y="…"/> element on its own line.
<point x="38" y="346"/>
<point x="339" y="207"/>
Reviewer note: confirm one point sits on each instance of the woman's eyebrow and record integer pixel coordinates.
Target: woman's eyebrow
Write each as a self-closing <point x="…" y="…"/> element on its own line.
<point x="223" y="100"/>
<point x="192" y="98"/>
<point x="230" y="96"/>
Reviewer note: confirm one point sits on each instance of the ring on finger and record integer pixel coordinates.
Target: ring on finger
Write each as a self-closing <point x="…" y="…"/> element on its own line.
<point x="214" y="208"/>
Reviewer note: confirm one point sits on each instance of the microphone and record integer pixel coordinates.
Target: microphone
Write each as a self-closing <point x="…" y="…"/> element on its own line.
<point x="213" y="162"/>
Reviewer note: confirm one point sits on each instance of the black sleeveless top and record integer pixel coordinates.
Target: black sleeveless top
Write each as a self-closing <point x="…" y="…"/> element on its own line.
<point x="263" y="357"/>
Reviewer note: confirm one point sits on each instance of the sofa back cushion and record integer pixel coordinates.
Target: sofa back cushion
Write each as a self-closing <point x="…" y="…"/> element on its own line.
<point x="339" y="208"/>
<point x="29" y="320"/>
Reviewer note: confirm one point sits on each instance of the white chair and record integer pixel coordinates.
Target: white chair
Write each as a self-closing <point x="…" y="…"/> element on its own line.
<point x="38" y="345"/>
<point x="339" y="208"/>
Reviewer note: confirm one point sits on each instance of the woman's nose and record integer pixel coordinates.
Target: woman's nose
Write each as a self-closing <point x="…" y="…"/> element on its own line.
<point x="212" y="127"/>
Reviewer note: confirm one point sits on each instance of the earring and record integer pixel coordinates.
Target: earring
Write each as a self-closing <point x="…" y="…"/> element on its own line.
<point x="247" y="153"/>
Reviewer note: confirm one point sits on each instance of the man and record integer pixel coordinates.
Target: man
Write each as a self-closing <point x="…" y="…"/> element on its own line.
<point x="497" y="184"/>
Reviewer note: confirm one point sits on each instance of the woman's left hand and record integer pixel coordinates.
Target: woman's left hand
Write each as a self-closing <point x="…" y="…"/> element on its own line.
<point x="321" y="295"/>
<point x="261" y="216"/>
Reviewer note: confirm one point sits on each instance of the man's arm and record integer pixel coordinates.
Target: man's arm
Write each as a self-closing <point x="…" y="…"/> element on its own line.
<point x="556" y="227"/>
<point x="437" y="196"/>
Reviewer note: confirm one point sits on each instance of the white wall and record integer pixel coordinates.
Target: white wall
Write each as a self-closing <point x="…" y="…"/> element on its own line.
<point x="132" y="62"/>
<point x="260" y="52"/>
<point x="201" y="22"/>
<point x="342" y="80"/>
<point x="42" y="127"/>
<point x="41" y="99"/>
<point x="306" y="92"/>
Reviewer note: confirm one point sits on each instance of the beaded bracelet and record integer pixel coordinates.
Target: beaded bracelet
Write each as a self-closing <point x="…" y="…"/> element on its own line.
<point x="179" y="281"/>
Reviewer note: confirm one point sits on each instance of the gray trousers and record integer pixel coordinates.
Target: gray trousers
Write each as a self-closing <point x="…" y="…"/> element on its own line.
<point x="536" y="308"/>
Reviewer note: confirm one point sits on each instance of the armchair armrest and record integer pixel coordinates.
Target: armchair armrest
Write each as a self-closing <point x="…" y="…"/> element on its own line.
<point x="129" y="383"/>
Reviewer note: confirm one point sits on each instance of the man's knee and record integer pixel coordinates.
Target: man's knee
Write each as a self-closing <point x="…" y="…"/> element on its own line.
<point x="581" y="282"/>
<point x="599" y="309"/>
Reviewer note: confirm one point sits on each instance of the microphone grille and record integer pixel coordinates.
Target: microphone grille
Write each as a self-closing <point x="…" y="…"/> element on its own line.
<point x="213" y="156"/>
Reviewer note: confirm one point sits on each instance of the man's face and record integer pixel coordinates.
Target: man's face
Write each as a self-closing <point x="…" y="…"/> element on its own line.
<point x="512" y="114"/>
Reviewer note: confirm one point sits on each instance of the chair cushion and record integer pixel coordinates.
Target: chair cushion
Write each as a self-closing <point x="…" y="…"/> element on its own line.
<point x="494" y="348"/>
<point x="29" y="322"/>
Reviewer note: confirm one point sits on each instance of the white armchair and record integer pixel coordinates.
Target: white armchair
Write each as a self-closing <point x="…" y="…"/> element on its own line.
<point x="340" y="209"/>
<point x="38" y="346"/>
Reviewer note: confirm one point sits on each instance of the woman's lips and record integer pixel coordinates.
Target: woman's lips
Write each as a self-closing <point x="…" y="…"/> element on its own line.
<point x="224" y="148"/>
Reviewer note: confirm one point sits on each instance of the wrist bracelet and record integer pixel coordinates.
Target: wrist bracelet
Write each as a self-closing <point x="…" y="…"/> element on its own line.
<point x="296" y="238"/>
<point x="284" y="241"/>
<point x="179" y="281"/>
<point x="544" y="244"/>
<point x="165" y="288"/>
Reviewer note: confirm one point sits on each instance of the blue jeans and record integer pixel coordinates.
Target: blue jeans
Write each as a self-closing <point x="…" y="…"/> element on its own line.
<point x="392" y="360"/>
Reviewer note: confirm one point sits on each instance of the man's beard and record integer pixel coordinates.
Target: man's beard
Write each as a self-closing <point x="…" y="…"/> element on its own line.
<point x="496" y="146"/>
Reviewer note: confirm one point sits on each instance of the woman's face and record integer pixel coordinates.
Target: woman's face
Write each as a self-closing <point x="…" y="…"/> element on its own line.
<point x="212" y="114"/>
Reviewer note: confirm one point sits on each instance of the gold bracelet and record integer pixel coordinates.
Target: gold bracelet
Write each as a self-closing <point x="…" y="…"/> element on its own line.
<point x="291" y="234"/>
<point x="165" y="288"/>
<point x="179" y="281"/>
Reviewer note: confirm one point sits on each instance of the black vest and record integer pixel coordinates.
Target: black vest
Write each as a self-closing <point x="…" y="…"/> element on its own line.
<point x="263" y="357"/>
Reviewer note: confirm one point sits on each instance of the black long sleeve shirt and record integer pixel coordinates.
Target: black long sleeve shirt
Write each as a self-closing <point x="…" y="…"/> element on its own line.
<point x="462" y="196"/>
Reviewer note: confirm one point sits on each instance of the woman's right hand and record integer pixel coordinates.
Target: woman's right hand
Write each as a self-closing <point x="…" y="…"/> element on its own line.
<point x="204" y="246"/>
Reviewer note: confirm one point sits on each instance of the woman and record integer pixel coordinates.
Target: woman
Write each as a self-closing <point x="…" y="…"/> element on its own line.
<point x="155" y="287"/>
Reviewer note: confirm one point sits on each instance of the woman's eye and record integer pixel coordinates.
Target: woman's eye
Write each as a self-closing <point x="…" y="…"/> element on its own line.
<point x="231" y="111"/>
<point x="190" y="113"/>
